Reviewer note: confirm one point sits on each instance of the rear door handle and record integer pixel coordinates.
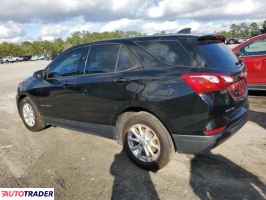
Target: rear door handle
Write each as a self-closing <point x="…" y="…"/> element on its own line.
<point x="122" y="80"/>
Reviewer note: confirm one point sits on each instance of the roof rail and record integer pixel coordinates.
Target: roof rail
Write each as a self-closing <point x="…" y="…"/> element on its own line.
<point x="185" y="31"/>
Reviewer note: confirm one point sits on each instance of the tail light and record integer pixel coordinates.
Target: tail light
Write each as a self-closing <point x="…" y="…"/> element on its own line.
<point x="213" y="131"/>
<point x="237" y="90"/>
<point x="205" y="83"/>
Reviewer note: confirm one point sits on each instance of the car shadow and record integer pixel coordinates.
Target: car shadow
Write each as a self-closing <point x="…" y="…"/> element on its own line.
<point x="258" y="118"/>
<point x="216" y="177"/>
<point x="131" y="182"/>
<point x="256" y="93"/>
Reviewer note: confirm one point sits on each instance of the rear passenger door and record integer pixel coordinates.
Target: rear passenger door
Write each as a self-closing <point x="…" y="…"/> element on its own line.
<point x="107" y="85"/>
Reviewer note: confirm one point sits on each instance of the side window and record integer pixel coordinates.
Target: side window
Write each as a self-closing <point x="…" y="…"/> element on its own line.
<point x="257" y="47"/>
<point x="66" y="65"/>
<point x="126" y="60"/>
<point x="170" y="52"/>
<point x="102" y="58"/>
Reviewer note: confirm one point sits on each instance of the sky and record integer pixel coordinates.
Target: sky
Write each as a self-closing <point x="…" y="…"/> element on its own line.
<point x="29" y="20"/>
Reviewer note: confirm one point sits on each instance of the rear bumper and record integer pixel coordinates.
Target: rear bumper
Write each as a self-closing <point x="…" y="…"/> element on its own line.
<point x="194" y="144"/>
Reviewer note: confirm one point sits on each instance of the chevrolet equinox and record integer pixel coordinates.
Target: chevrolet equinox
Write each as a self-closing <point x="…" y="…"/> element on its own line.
<point x="155" y="95"/>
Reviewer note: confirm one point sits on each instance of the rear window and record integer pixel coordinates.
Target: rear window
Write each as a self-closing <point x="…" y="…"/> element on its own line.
<point x="217" y="55"/>
<point x="191" y="54"/>
<point x="169" y="52"/>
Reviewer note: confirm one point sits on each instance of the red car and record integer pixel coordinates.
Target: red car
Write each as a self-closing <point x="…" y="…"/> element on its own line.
<point x="253" y="53"/>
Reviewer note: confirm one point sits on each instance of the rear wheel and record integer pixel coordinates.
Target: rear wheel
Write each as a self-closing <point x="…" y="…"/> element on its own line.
<point x="30" y="115"/>
<point x="146" y="141"/>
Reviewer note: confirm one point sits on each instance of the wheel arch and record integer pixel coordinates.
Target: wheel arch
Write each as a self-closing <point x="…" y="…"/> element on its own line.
<point x="118" y="121"/>
<point x="20" y="97"/>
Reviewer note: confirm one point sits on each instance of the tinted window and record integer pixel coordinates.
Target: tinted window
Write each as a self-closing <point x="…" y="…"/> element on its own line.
<point x="66" y="65"/>
<point x="126" y="60"/>
<point x="257" y="47"/>
<point x="217" y="55"/>
<point x="170" y="52"/>
<point x="191" y="47"/>
<point x="102" y="59"/>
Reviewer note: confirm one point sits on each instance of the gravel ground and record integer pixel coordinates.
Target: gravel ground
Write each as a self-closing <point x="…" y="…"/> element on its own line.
<point x="82" y="166"/>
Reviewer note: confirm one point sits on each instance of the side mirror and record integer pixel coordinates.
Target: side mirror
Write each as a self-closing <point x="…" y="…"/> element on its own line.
<point x="39" y="74"/>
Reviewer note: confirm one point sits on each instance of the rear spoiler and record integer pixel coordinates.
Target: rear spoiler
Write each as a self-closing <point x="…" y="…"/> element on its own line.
<point x="211" y="37"/>
<point x="185" y="31"/>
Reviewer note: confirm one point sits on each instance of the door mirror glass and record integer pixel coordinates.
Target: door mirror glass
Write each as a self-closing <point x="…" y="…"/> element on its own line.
<point x="39" y="74"/>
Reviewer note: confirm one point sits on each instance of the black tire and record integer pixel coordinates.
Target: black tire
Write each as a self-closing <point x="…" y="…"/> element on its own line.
<point x="165" y="141"/>
<point x="39" y="124"/>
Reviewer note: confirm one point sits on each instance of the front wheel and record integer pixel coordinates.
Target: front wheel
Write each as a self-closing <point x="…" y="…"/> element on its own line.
<point x="146" y="141"/>
<point x="30" y="115"/>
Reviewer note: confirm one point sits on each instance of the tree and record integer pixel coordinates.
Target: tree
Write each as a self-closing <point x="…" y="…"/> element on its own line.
<point x="244" y="30"/>
<point x="27" y="48"/>
<point x="263" y="27"/>
<point x="234" y="30"/>
<point x="75" y="38"/>
<point x="58" y="45"/>
<point x="254" y="29"/>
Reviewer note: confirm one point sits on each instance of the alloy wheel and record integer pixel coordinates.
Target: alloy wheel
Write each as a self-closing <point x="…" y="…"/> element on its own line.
<point x="28" y="114"/>
<point x="143" y="143"/>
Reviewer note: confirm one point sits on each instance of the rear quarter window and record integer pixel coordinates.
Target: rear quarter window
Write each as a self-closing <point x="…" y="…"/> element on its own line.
<point x="169" y="52"/>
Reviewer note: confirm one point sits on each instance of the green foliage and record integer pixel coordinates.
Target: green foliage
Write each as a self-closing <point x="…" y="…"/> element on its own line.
<point x="58" y="45"/>
<point x="85" y="36"/>
<point x="263" y="29"/>
<point x="254" y="29"/>
<point x="244" y="30"/>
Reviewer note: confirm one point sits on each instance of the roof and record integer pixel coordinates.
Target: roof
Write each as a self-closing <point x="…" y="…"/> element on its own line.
<point x="142" y="38"/>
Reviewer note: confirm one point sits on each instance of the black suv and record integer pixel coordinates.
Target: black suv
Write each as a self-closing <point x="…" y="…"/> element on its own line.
<point x="155" y="95"/>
